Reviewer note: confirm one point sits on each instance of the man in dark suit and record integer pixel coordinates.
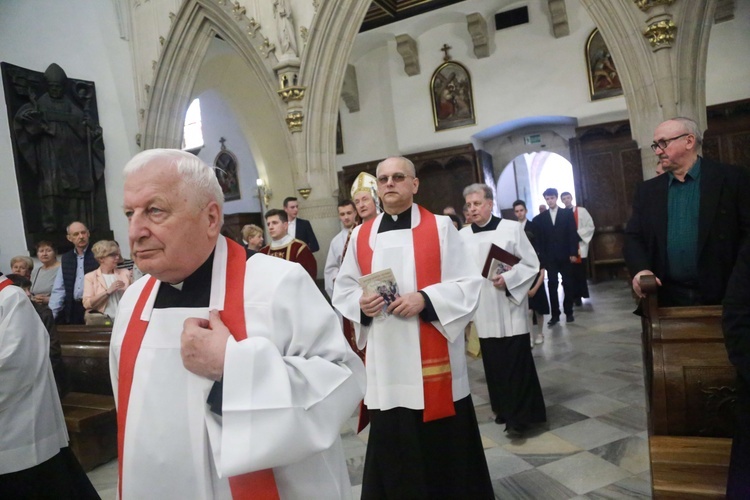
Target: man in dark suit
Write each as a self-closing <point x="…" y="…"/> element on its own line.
<point x="688" y="225"/>
<point x="299" y="228"/>
<point x="555" y="229"/>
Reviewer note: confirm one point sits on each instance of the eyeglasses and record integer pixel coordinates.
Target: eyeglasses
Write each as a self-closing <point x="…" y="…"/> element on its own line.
<point x="397" y="178"/>
<point x="116" y="255"/>
<point x="663" y="143"/>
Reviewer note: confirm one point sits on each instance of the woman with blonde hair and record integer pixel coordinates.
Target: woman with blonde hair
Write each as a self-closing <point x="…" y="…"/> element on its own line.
<point x="253" y="235"/>
<point x="103" y="288"/>
<point x="21" y="265"/>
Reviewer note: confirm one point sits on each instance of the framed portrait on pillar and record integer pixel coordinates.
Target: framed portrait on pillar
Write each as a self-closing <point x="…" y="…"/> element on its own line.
<point x="604" y="81"/>
<point x="226" y="173"/>
<point x="452" y="96"/>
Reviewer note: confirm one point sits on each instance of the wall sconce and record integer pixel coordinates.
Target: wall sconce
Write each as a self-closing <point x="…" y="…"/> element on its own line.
<point x="264" y="192"/>
<point x="304" y="192"/>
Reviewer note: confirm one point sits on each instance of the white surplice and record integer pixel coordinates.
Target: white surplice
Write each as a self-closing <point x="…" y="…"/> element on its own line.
<point x="499" y="315"/>
<point x="287" y="389"/>
<point x="32" y="425"/>
<point x="333" y="261"/>
<point x="393" y="362"/>
<point x="585" y="230"/>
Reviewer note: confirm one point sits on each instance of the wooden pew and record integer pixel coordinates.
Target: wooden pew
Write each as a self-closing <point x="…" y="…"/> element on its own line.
<point x="690" y="386"/>
<point x="89" y="407"/>
<point x="605" y="253"/>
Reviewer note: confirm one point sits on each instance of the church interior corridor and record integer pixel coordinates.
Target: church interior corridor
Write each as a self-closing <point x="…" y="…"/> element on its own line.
<point x="594" y="444"/>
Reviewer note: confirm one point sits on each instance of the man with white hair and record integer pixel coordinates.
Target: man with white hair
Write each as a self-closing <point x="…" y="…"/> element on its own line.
<point x="424" y="440"/>
<point x="231" y="375"/>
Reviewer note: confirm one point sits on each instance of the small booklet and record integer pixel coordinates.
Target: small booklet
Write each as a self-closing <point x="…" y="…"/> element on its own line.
<point x="498" y="261"/>
<point x="381" y="283"/>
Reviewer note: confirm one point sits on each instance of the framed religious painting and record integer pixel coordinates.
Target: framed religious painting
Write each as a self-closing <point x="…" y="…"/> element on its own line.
<point x="452" y="96"/>
<point x="604" y="81"/>
<point x="226" y="173"/>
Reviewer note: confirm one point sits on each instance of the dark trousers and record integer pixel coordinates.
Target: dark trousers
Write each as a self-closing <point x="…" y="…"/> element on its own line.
<point x="411" y="459"/>
<point x="562" y="267"/>
<point x="59" y="478"/>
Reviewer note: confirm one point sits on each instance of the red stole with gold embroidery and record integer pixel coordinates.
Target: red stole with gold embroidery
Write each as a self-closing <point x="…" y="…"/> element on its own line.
<point x="255" y="485"/>
<point x="436" y="366"/>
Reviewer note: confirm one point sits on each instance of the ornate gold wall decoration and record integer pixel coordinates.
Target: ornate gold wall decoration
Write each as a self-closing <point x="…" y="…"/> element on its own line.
<point x="660" y="34"/>
<point x="292" y="93"/>
<point x="645" y="5"/>
<point x="294" y="121"/>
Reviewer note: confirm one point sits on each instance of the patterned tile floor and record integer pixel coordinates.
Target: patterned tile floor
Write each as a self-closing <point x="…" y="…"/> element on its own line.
<point x="594" y="445"/>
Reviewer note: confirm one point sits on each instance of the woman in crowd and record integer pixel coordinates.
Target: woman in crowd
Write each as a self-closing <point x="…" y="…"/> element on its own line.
<point x="103" y="288"/>
<point x="42" y="278"/>
<point x="21" y="265"/>
<point x="253" y="235"/>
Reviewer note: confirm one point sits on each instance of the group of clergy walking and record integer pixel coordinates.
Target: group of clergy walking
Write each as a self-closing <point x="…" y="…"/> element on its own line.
<point x="232" y="376"/>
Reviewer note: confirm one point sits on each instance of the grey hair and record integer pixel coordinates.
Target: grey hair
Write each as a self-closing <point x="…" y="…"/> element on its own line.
<point x="194" y="173"/>
<point x="409" y="165"/>
<point x="692" y="128"/>
<point x="479" y="188"/>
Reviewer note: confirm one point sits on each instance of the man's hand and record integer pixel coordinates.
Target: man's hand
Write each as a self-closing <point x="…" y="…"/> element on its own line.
<point x="499" y="281"/>
<point x="371" y="305"/>
<point x="204" y="344"/>
<point x="637" y="282"/>
<point x="407" y="305"/>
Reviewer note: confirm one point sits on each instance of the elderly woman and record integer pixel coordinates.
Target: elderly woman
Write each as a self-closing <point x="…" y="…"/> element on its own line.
<point x="21" y="265"/>
<point x="103" y="288"/>
<point x="253" y="235"/>
<point x="43" y="278"/>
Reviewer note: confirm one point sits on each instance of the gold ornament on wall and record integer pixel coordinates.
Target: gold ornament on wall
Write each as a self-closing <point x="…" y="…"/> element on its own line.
<point x="660" y="34"/>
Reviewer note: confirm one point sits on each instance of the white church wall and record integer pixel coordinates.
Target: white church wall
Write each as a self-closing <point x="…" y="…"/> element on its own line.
<point x="528" y="73"/>
<point x="219" y="121"/>
<point x="728" y="63"/>
<point x="83" y="37"/>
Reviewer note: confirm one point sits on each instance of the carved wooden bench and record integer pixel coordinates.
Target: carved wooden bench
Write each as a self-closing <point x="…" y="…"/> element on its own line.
<point x="89" y="407"/>
<point x="605" y="253"/>
<point x="690" y="386"/>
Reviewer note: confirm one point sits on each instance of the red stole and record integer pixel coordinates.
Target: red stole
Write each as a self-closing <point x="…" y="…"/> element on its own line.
<point x="575" y="216"/>
<point x="4" y="282"/>
<point x="436" y="367"/>
<point x="257" y="485"/>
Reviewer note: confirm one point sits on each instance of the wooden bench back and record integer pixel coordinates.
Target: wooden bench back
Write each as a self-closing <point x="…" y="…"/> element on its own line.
<point x="689" y="380"/>
<point x="85" y="351"/>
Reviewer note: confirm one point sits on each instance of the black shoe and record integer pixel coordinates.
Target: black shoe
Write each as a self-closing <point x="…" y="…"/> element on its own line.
<point x="569" y="318"/>
<point x="515" y="431"/>
<point x="499" y="420"/>
<point x="578" y="302"/>
<point x="553" y="320"/>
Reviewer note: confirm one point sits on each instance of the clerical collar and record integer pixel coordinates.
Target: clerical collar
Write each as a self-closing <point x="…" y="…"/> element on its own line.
<point x="282" y="242"/>
<point x="193" y="291"/>
<point x="394" y="222"/>
<point x="491" y="225"/>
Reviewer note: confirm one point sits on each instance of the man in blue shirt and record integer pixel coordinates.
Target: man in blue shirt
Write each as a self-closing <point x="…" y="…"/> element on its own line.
<point x="687" y="225"/>
<point x="67" y="292"/>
